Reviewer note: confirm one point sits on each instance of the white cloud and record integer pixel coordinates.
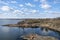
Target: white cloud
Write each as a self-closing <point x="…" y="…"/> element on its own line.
<point x="34" y="11"/>
<point x="26" y="10"/>
<point x="13" y="2"/>
<point x="5" y="8"/>
<point x="29" y="4"/>
<point x="30" y="11"/>
<point x="26" y="13"/>
<point x="45" y="6"/>
<point x="17" y="11"/>
<point x="21" y="5"/>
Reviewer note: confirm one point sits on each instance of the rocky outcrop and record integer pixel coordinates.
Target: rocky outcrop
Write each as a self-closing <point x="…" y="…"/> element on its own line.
<point x="37" y="37"/>
<point x="34" y="23"/>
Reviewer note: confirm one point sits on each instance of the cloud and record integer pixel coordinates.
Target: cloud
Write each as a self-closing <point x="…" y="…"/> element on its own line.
<point x="27" y="13"/>
<point x="3" y="15"/>
<point x="17" y="11"/>
<point x="3" y="2"/>
<point x="34" y="11"/>
<point x="13" y="2"/>
<point x="54" y="12"/>
<point x="30" y="11"/>
<point x="7" y="2"/>
<point x="21" y="5"/>
<point x="5" y="8"/>
<point x="11" y="13"/>
<point x="29" y="4"/>
<point x="45" y="6"/>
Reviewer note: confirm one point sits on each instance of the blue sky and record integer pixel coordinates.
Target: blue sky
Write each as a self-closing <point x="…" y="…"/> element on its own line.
<point x="29" y="8"/>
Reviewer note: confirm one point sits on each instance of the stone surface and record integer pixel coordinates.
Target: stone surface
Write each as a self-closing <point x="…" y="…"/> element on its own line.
<point x="38" y="37"/>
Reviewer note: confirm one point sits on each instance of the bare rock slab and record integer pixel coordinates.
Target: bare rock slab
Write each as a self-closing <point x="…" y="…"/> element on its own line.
<point x="38" y="37"/>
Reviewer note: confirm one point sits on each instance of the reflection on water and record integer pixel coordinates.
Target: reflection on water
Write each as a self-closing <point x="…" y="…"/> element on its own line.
<point x="44" y="29"/>
<point x="14" y="33"/>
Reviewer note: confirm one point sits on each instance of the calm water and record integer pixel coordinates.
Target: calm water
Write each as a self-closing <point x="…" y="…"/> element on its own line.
<point x="13" y="33"/>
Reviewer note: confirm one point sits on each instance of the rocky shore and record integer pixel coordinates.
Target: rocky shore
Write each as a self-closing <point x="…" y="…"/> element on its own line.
<point x="35" y="23"/>
<point x="37" y="37"/>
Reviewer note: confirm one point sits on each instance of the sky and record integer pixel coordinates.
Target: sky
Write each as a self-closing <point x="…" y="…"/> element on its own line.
<point x="29" y="8"/>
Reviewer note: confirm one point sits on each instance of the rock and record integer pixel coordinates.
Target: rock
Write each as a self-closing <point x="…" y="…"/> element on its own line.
<point x="37" y="37"/>
<point x="34" y="23"/>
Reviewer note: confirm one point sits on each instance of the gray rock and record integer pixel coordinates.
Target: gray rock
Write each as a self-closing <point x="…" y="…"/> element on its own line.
<point x="38" y="37"/>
